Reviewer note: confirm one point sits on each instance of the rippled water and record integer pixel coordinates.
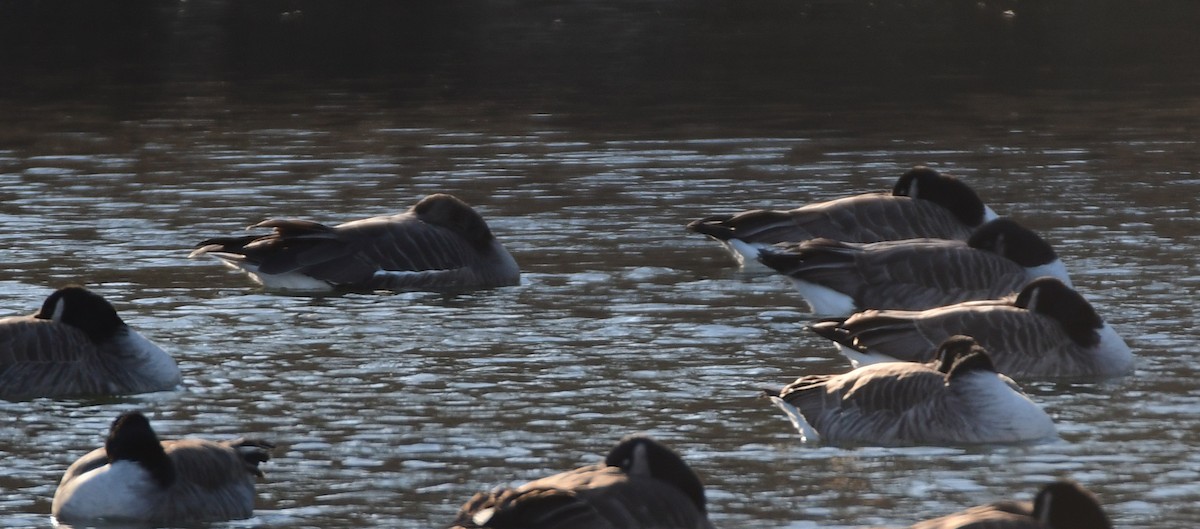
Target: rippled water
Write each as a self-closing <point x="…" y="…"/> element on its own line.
<point x="391" y="410"/>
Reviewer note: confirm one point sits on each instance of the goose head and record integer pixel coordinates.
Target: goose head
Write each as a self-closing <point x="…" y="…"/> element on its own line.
<point x="1066" y="505"/>
<point x="81" y="308"/>
<point x="924" y="183"/>
<point x="452" y="213"/>
<point x="1053" y="298"/>
<point x="641" y="456"/>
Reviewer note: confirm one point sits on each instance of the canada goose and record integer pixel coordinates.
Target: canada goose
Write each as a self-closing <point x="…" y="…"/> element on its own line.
<point x="1046" y="330"/>
<point x="640" y="485"/>
<point x="1059" y="505"/>
<point x="902" y="403"/>
<point x="439" y="244"/>
<point x="77" y="345"/>
<point x="923" y="203"/>
<point x="137" y="478"/>
<point x="839" y="278"/>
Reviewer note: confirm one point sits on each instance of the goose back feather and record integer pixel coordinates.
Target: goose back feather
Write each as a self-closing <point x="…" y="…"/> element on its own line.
<point x="1059" y="505"/>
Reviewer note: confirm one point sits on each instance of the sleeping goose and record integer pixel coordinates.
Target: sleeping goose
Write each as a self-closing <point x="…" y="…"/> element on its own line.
<point x="1059" y="505"/>
<point x="905" y="403"/>
<point x="440" y="244"/>
<point x="1046" y="330"/>
<point x="923" y="203"/>
<point x="77" y="345"/>
<point x="839" y="278"/>
<point x="137" y="478"/>
<point x="640" y="485"/>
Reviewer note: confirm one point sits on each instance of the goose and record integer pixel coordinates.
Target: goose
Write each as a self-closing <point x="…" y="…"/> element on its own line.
<point x="137" y="478"/>
<point x="77" y="345"/>
<point x="640" y="485"/>
<point x="906" y="403"/>
<point x="923" y="203"/>
<point x="1046" y="330"/>
<point x="839" y="278"/>
<point x="1062" y="504"/>
<point x="439" y="244"/>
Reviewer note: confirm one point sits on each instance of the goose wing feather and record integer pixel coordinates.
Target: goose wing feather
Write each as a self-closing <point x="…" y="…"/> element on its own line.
<point x="590" y="497"/>
<point x="912" y="274"/>
<point x="350" y="253"/>
<point x="881" y="402"/>
<point x="45" y="358"/>
<point x="861" y="218"/>
<point x="1018" y="340"/>
<point x="999" y="515"/>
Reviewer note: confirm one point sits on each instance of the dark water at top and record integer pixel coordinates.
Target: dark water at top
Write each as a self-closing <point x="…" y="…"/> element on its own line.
<point x="588" y="134"/>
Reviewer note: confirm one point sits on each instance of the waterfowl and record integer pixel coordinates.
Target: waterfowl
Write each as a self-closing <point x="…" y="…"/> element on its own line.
<point x="439" y="244"/>
<point x="640" y="485"/>
<point x="1059" y="505"/>
<point x="1046" y="330"/>
<point x="137" y="478"/>
<point x="839" y="278"/>
<point x="77" y="345"/>
<point x="923" y="203"/>
<point x="905" y="403"/>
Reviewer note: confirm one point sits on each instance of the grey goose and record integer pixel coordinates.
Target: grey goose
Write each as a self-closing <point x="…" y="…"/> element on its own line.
<point x="137" y="478"/>
<point x="77" y="345"/>
<point x="1062" y="504"/>
<point x="839" y="278"/>
<point x="923" y="204"/>
<point x="960" y="399"/>
<point x="439" y="244"/>
<point x="1045" y="330"/>
<point x="640" y="485"/>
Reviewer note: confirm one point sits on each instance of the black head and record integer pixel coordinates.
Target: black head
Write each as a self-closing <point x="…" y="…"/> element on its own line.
<point x="130" y="438"/>
<point x="952" y="349"/>
<point x="81" y="308"/>
<point x="1050" y="297"/>
<point x="638" y="455"/>
<point x="449" y="212"/>
<point x="944" y="190"/>
<point x="1066" y="505"/>
<point x="1006" y="238"/>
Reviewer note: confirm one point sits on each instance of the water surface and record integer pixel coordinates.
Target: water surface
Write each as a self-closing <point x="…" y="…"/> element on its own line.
<point x="391" y="410"/>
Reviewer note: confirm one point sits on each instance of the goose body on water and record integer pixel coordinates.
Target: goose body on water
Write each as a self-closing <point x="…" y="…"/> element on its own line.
<point x="839" y="278"/>
<point x="137" y="478"/>
<point x="959" y="400"/>
<point x="439" y="244"/>
<point x="923" y="204"/>
<point x="640" y="485"/>
<point x="77" y="345"/>
<point x="1046" y="330"/>
<point x="1059" y="505"/>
